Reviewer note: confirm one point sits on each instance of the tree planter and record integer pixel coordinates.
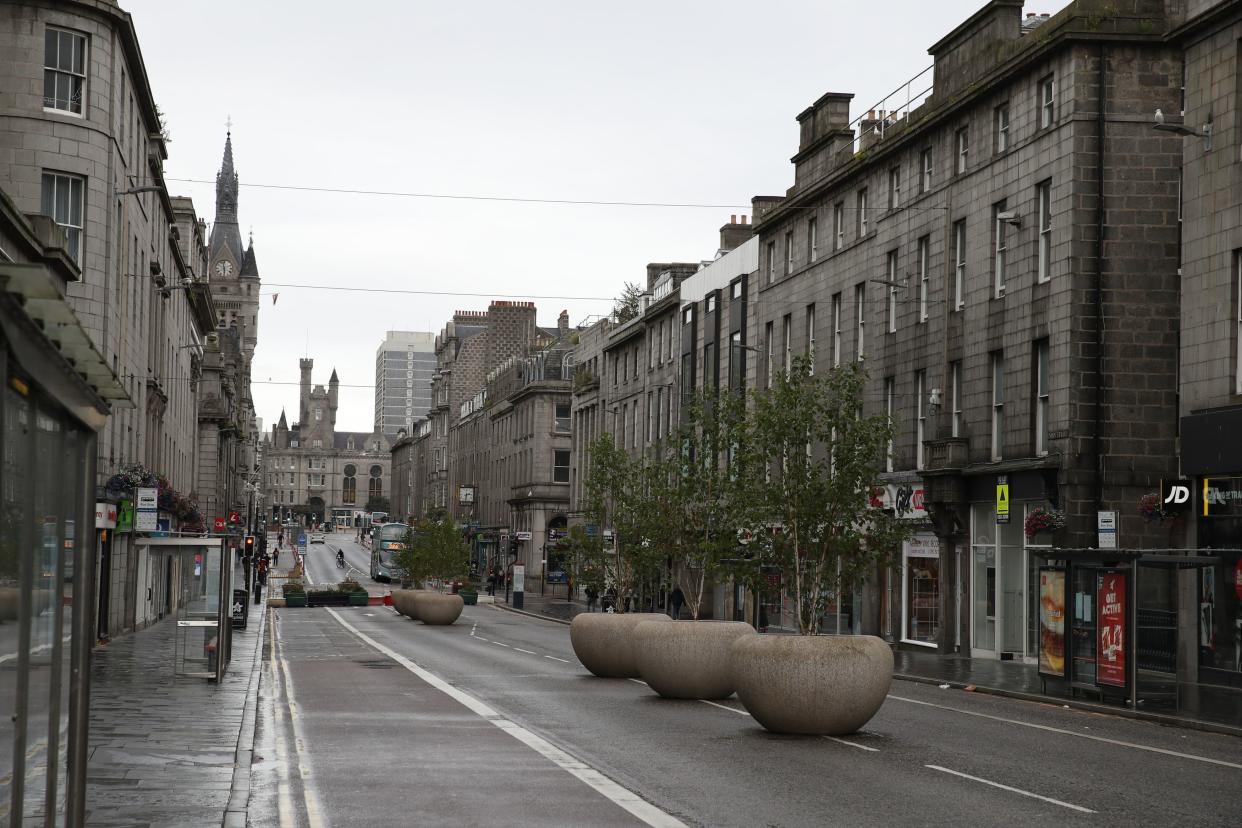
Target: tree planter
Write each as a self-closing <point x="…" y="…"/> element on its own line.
<point x="296" y="599"/>
<point x="604" y="642"/>
<point x="327" y="599"/>
<point x="403" y="601"/>
<point x="828" y="685"/>
<point x="690" y="659"/>
<point x="358" y="598"/>
<point x="437" y="609"/>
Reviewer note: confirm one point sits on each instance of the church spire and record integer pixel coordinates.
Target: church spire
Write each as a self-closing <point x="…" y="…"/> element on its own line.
<point x="226" y="184"/>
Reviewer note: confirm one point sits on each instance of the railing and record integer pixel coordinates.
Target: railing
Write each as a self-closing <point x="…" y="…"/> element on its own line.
<point x="892" y="109"/>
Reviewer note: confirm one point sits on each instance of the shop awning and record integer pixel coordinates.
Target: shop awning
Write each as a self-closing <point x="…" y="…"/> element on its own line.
<point x="44" y="305"/>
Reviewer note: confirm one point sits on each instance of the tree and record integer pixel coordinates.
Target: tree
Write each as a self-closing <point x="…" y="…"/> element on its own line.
<point x="626" y="306"/>
<point x="434" y="549"/>
<point x="822" y="457"/>
<point x="711" y="495"/>
<point x="618" y="498"/>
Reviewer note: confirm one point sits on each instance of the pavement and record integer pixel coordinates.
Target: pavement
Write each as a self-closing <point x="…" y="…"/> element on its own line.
<point x="169" y="750"/>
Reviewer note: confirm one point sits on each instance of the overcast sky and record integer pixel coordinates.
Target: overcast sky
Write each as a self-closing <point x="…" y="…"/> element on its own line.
<point x="687" y="102"/>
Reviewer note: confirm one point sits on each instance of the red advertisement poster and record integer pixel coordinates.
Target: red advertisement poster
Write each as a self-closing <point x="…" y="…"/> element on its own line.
<point x="1110" y="619"/>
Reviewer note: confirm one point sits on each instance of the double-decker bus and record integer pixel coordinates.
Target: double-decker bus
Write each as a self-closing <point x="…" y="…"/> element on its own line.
<point x="388" y="540"/>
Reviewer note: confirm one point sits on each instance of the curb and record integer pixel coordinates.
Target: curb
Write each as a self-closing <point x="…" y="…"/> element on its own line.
<point x="1089" y="707"/>
<point x="235" y="814"/>
<point x="527" y="613"/>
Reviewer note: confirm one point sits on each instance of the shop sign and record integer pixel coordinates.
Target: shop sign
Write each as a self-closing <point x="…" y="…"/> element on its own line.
<point x="1237" y="579"/>
<point x="1175" y="495"/>
<point x="219" y="524"/>
<point x="1222" y="496"/>
<point x="1110" y="624"/>
<point x="523" y="536"/>
<point x="105" y="515"/>
<point x="125" y="516"/>
<point x="1002" y="498"/>
<point x="923" y="546"/>
<point x="905" y="499"/>
<point x="1052" y="621"/>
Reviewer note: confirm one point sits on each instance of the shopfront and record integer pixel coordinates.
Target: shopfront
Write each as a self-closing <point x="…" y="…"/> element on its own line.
<point x="49" y="416"/>
<point x="1218" y="585"/>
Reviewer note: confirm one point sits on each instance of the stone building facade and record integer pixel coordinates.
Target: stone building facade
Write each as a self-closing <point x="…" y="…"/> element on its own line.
<point x="1003" y="260"/>
<point x="315" y="474"/>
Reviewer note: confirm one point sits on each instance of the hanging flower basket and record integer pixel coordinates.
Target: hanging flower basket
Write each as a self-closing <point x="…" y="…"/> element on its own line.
<point x="1150" y="508"/>
<point x="1043" y="520"/>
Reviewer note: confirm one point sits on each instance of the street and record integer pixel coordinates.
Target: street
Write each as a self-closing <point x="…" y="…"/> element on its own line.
<point x="367" y="717"/>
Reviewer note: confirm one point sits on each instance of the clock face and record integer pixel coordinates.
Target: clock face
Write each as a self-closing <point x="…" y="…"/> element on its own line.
<point x="224" y="268"/>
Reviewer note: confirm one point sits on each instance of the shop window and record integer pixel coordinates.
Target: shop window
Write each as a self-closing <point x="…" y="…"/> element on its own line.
<point x="920" y="560"/>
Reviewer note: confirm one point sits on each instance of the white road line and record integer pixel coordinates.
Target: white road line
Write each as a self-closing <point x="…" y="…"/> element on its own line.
<point x="1065" y="732"/>
<point x="554" y="658"/>
<point x="623" y="797"/>
<point x="1012" y="789"/>
<point x="724" y="707"/>
<point x="852" y="744"/>
<point x="529" y="652"/>
<point x="484" y="640"/>
<point x="313" y="813"/>
<point x="498" y="644"/>
<point x="278" y="731"/>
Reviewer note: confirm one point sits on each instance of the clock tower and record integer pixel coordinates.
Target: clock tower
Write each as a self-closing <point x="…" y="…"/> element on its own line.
<point x="233" y="269"/>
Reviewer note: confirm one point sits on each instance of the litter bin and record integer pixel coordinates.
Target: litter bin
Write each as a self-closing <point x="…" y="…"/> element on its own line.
<point x="241" y="603"/>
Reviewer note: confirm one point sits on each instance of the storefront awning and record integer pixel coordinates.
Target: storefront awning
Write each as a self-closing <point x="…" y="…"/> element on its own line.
<point x="45" y="306"/>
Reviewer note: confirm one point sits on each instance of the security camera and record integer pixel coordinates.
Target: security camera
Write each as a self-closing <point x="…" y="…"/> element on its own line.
<point x="1009" y="217"/>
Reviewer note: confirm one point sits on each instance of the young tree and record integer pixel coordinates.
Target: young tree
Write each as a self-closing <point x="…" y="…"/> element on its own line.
<point x="626" y="306"/>
<point x="434" y="549"/>
<point x="822" y="457"/>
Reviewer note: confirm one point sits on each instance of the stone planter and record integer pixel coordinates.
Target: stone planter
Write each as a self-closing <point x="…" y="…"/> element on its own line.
<point x="437" y="609"/>
<point x="823" y="684"/>
<point x="296" y="599"/>
<point x="403" y="601"/>
<point x="604" y="641"/>
<point x="689" y="659"/>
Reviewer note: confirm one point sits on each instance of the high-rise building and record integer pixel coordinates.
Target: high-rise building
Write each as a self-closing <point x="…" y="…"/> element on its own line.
<point x="404" y="363"/>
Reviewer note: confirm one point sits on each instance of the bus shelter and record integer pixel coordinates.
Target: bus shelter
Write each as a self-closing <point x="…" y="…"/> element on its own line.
<point x="200" y="584"/>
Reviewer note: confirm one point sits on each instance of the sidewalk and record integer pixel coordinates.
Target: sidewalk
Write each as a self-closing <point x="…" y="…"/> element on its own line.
<point x="1197" y="706"/>
<point x="168" y="750"/>
<point x="541" y="606"/>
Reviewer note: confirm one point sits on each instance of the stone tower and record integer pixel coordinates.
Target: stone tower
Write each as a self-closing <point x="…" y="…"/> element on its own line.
<point x="303" y="410"/>
<point x="233" y="269"/>
<point x="333" y="385"/>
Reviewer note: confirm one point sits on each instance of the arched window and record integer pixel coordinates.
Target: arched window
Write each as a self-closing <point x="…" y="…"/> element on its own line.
<point x="349" y="488"/>
<point x="375" y="488"/>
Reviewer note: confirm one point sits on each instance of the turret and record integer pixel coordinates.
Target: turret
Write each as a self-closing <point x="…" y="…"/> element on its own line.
<point x="333" y="384"/>
<point x="304" y="412"/>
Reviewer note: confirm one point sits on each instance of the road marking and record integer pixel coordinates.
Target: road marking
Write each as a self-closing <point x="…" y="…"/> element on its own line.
<point x="852" y="744"/>
<point x="1061" y="730"/>
<point x="498" y="644"/>
<point x="484" y="640"/>
<point x="1012" y="789"/>
<point x="278" y="731"/>
<point x="614" y="792"/>
<point x="554" y="658"/>
<point x="724" y="707"/>
<point x="309" y="797"/>
<point x="529" y="652"/>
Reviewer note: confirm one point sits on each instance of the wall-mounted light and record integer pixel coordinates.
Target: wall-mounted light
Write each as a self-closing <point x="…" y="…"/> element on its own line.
<point x="1204" y="132"/>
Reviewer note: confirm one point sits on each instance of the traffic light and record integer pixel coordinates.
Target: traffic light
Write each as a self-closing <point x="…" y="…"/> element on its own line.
<point x="249" y="547"/>
<point x="513" y="547"/>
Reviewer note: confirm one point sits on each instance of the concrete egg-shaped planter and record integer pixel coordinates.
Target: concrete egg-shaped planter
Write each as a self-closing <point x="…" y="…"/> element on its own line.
<point x="689" y="659"/>
<point x="604" y="642"/>
<point x="821" y="684"/>
<point x="437" y="609"/>
<point x="403" y="601"/>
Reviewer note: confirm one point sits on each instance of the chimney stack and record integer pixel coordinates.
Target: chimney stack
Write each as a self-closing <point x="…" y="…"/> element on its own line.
<point x="562" y="323"/>
<point x="734" y="234"/>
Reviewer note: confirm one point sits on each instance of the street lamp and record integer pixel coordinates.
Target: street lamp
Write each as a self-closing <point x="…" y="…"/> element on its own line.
<point x="144" y="188"/>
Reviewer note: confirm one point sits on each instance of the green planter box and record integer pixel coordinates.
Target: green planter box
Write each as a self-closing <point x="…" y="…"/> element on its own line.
<point x="327" y="599"/>
<point x="358" y="599"/>
<point x="295" y="600"/>
<point x="470" y="598"/>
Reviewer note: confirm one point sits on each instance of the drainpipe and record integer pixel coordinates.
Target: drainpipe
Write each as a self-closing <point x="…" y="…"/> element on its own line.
<point x="1099" y="287"/>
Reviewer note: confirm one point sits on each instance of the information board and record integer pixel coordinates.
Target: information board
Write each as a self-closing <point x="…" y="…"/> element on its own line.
<point x="1110" y="624"/>
<point x="1052" y="621"/>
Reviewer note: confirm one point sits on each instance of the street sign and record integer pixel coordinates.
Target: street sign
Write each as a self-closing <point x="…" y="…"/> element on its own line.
<point x="1002" y="498"/>
<point x="219" y="524"/>
<point x="148" y="510"/>
<point x="519" y="578"/>
<point x="302" y="540"/>
<point x="523" y="536"/>
<point x="1106" y="528"/>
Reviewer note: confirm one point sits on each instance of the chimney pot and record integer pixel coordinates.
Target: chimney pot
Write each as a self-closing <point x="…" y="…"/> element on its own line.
<point x="733" y="219"/>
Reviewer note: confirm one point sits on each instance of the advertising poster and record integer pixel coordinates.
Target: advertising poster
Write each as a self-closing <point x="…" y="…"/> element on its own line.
<point x="1110" y="619"/>
<point x="1052" y="622"/>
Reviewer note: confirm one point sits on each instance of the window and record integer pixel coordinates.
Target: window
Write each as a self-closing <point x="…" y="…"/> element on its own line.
<point x="889" y="390"/>
<point x="561" y="418"/>
<point x="998" y="404"/>
<point x="924" y="252"/>
<point x="812" y="239"/>
<point x="735" y="290"/>
<point x="767" y="337"/>
<point x="64" y="70"/>
<point x="963" y="149"/>
<point x="862" y="212"/>
<point x="890" y="276"/>
<point x="711" y="303"/>
<point x="860" y="301"/>
<point x="1041" y="398"/>
<point x="788" y="253"/>
<point x="650" y="351"/>
<point x="63" y="201"/>
<point x="836" y="330"/>
<point x="955" y="401"/>
<point x="894" y="188"/>
<point x="838" y="225"/>
<point x="787" y="337"/>
<point x="999" y="249"/>
<point x="650" y="408"/>
<point x="920" y="417"/>
<point x="1044" y="272"/>
<point x="771" y="262"/>
<point x="810" y="336"/>
<point x="1002" y="127"/>
<point x="737" y="360"/>
<point x="1047" y="101"/>
<point x="959" y="268"/>
<point x="925" y="170"/>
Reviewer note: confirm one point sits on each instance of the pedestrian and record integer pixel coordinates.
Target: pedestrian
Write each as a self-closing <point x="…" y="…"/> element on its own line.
<point x="592" y="596"/>
<point x="675" y="601"/>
